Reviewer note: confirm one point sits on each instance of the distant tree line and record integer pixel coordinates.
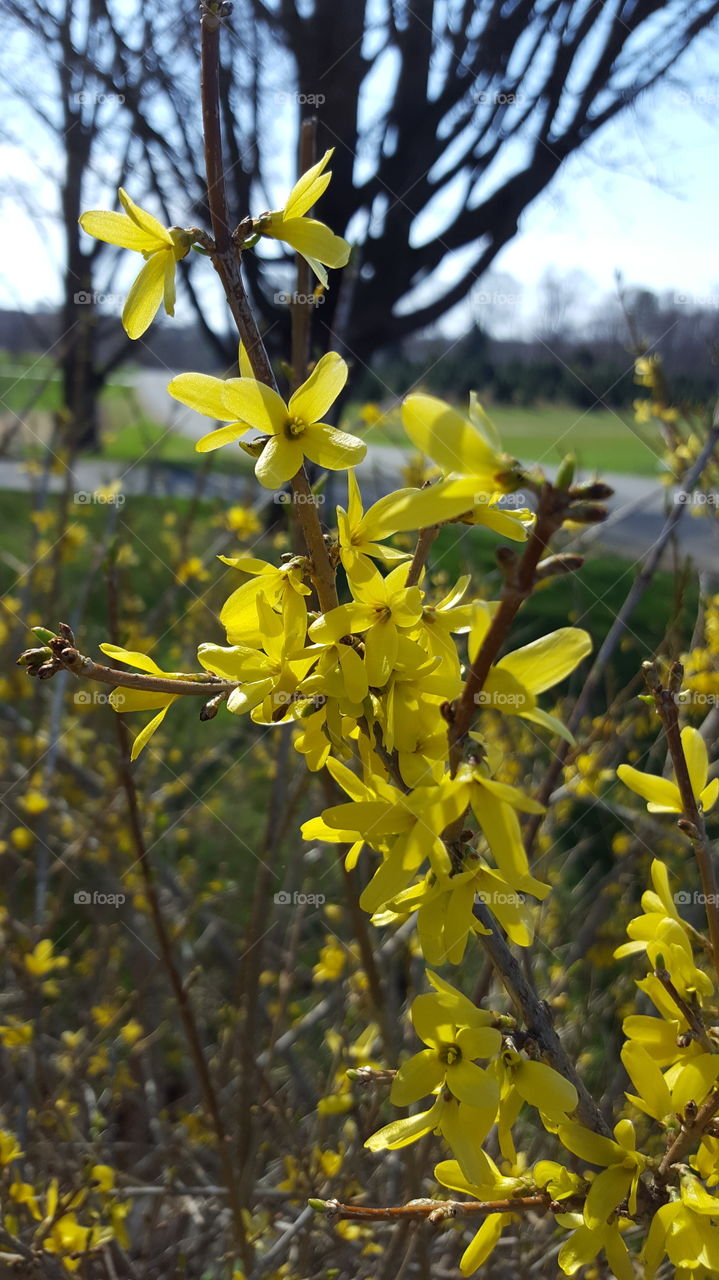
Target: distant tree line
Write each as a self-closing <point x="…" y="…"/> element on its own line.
<point x="587" y="366"/>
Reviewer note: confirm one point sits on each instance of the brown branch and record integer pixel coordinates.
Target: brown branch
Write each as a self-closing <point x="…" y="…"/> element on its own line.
<point x="691" y="1016"/>
<point x="226" y="259"/>
<point x="60" y="654"/>
<point x="437" y="1211"/>
<point x="693" y="826"/>
<point x="519" y="584"/>
<point x="184" y="1007"/>
<point x="425" y="538"/>
<point x="201" y="685"/>
<point x="694" y="1125"/>
<point x="536" y="1016"/>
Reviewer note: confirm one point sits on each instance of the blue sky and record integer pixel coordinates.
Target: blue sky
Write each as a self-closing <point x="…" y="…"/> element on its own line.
<point x="641" y="198"/>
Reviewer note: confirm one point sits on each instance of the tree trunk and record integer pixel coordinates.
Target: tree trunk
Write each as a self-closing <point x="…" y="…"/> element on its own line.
<point x="77" y="356"/>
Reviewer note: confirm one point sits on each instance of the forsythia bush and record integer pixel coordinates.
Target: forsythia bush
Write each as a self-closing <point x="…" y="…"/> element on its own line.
<point x="409" y="702"/>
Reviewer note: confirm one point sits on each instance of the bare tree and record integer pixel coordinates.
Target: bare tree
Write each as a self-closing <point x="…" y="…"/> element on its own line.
<point x="424" y="104"/>
<point x="58" y="65"/>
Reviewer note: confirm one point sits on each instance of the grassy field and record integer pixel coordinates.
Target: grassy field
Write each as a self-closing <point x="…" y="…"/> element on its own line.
<point x="601" y="439"/>
<point x="590" y="598"/>
<point x="545" y="433"/>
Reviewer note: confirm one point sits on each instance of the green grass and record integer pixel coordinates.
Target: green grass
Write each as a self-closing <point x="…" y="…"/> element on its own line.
<point x="600" y="439"/>
<point x="28" y="381"/>
<point x="144" y="441"/>
<point x="129" y="436"/>
<point x="150" y="596"/>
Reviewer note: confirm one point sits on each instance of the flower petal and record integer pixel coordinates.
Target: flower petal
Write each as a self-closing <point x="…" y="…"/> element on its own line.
<point x="145" y="221"/>
<point x="607" y="1191"/>
<point x="224" y="435"/>
<point x="132" y="658"/>
<point x="169" y="293"/>
<point x="545" y="1089"/>
<point x="416" y="1078"/>
<point x="479" y="1042"/>
<point x="444" y="435"/>
<point x="472" y="1084"/>
<point x="123" y="700"/>
<point x="399" y="1133"/>
<point x="260" y="406"/>
<point x="546" y="661"/>
<point x="330" y="448"/>
<point x="279" y="461"/>
<point x="312" y="400"/>
<point x="145" y="296"/>
<point x="695" y="753"/>
<point x="650" y="787"/>
<point x="308" y="189"/>
<point x="115" y="228"/>
<point x="249" y="696"/>
<point x="202" y="393"/>
<point x="484" y="1242"/>
<point x="592" y="1147"/>
<point x="312" y="239"/>
<point x="648" y="1080"/>
<point x="145" y="734"/>
<point x="709" y="795"/>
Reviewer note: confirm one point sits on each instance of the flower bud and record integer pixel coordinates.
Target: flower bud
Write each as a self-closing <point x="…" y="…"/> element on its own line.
<point x="565" y="474"/>
<point x="586" y="512"/>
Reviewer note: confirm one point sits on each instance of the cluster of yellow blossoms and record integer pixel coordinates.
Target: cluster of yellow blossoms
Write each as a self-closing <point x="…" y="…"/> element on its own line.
<point x="367" y="688"/>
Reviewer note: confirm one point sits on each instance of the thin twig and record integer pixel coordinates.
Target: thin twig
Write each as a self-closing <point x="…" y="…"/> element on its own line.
<point x="202" y="685"/>
<point x="693" y="1127"/>
<point x="226" y="259"/>
<point x="182" y="999"/>
<point x="436" y="1211"/>
<point x="519" y="584"/>
<point x="537" y="1017"/>
<point x="425" y="538"/>
<point x="691" y="1016"/>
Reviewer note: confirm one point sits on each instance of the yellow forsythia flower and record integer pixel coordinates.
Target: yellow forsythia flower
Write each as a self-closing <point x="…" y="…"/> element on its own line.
<point x="162" y="248"/>
<point x="319" y="246"/>
<point x="295" y="429"/>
